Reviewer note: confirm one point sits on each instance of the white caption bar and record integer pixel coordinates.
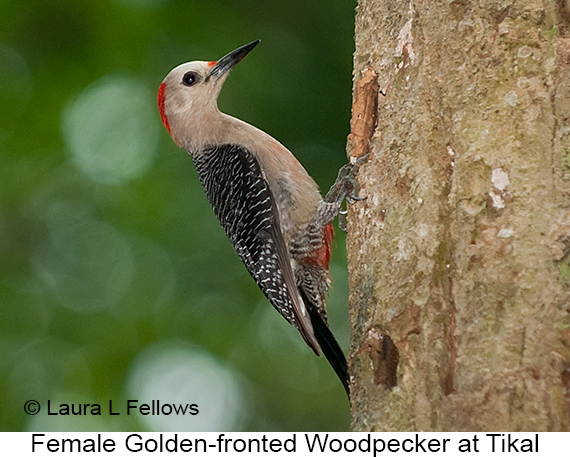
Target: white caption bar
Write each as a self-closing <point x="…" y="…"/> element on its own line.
<point x="318" y="444"/>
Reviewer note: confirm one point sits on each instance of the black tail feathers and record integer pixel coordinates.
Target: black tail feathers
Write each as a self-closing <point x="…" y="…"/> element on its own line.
<point x="329" y="345"/>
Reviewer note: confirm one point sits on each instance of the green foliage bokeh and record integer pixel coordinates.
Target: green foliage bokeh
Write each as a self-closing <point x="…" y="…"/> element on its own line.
<point x="98" y="265"/>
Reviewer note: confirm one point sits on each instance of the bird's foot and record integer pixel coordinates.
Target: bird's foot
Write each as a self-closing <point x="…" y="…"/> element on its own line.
<point x="346" y="188"/>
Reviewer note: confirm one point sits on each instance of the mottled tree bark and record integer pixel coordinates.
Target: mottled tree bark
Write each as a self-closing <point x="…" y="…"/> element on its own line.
<point x="459" y="258"/>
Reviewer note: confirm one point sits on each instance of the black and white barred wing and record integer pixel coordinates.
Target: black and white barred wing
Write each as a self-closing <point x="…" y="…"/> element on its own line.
<point x="243" y="203"/>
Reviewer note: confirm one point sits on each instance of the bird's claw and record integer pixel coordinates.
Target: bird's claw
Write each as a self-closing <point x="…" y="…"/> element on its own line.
<point x="354" y="198"/>
<point x="345" y="188"/>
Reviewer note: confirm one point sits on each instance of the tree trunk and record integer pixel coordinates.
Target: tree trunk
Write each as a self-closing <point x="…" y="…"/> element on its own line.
<point x="459" y="263"/>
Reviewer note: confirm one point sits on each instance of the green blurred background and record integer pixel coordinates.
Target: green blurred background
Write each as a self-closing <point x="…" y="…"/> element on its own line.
<point x="116" y="281"/>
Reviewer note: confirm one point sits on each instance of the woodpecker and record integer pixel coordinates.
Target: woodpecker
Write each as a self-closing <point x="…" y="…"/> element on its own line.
<point x="266" y="202"/>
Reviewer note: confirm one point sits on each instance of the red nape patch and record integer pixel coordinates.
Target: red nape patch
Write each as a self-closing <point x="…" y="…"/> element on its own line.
<point x="323" y="255"/>
<point x="212" y="63"/>
<point x="160" y="100"/>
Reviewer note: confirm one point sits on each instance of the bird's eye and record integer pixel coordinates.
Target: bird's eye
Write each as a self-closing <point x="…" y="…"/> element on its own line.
<point x="190" y="78"/>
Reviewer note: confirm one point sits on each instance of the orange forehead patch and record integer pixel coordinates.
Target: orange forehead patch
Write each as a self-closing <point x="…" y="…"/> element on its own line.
<point x="212" y="63"/>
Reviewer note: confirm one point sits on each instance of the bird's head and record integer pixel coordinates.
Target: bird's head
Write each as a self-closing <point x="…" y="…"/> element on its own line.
<point x="189" y="93"/>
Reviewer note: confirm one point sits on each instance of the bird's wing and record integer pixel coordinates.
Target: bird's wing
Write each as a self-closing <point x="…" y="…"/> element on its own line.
<point x="244" y="205"/>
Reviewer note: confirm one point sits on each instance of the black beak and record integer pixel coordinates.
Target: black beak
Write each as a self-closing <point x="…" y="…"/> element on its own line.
<point x="229" y="61"/>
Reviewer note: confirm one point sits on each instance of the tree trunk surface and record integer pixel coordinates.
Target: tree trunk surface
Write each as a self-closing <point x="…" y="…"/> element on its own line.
<point x="459" y="262"/>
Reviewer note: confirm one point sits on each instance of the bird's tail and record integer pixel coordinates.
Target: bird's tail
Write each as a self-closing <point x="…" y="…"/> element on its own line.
<point x="328" y="343"/>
